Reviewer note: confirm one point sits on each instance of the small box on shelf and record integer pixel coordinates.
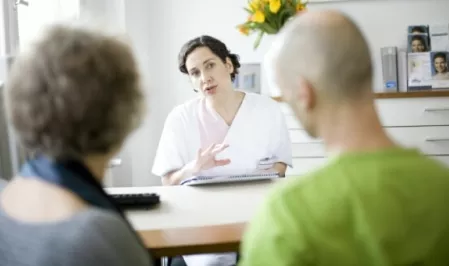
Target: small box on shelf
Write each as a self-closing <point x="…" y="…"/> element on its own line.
<point x="389" y="57"/>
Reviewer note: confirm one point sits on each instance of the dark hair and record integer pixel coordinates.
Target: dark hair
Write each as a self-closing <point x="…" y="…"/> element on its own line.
<point x="441" y="55"/>
<point x="418" y="29"/>
<point x="418" y="37"/>
<point x="421" y="39"/>
<point x="216" y="46"/>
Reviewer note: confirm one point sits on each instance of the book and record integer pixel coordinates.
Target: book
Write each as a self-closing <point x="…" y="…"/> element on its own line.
<point x="402" y="70"/>
<point x="419" y="73"/>
<point x="203" y="180"/>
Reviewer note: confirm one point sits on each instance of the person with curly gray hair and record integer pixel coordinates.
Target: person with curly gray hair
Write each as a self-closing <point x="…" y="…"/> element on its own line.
<point x="73" y="98"/>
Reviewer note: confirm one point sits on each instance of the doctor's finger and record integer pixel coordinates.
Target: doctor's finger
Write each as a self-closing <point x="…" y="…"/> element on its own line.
<point x="210" y="148"/>
<point x="219" y="148"/>
<point x="222" y="162"/>
<point x="199" y="152"/>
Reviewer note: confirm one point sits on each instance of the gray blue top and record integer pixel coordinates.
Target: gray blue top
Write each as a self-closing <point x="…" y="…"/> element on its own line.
<point x="91" y="237"/>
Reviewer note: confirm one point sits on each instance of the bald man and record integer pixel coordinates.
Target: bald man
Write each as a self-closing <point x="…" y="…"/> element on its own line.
<point x="374" y="202"/>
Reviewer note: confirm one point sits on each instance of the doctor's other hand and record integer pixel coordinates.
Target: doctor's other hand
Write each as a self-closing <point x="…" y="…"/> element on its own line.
<point x="206" y="159"/>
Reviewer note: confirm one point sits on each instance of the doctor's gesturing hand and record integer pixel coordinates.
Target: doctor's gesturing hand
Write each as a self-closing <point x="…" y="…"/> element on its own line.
<point x="205" y="159"/>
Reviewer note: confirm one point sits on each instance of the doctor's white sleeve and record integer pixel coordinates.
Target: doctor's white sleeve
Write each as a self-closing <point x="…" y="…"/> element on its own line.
<point x="281" y="140"/>
<point x="168" y="155"/>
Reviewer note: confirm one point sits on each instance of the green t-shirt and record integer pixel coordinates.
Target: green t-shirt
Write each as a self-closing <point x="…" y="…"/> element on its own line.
<point x="388" y="207"/>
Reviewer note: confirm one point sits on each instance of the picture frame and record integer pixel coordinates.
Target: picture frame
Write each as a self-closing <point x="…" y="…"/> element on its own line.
<point x="249" y="78"/>
<point x="439" y="69"/>
<point x="418" y="29"/>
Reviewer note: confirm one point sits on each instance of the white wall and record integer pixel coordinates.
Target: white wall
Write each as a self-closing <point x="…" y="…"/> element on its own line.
<point x="40" y="13"/>
<point x="159" y="28"/>
<point x="139" y="19"/>
<point x="384" y="23"/>
<point x="142" y="18"/>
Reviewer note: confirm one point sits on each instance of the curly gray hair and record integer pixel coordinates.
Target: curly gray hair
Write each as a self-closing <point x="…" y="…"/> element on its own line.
<point x="76" y="92"/>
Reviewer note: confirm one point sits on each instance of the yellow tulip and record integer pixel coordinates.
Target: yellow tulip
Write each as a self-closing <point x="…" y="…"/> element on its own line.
<point x="300" y="7"/>
<point x="254" y="5"/>
<point x="258" y="17"/>
<point x="275" y="5"/>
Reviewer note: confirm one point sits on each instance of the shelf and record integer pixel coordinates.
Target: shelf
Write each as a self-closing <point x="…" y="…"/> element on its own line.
<point x="412" y="94"/>
<point x="393" y="95"/>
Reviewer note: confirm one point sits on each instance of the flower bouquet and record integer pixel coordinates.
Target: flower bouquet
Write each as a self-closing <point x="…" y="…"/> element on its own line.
<point x="268" y="16"/>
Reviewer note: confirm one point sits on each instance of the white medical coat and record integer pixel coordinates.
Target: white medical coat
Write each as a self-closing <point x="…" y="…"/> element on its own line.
<point x="258" y="131"/>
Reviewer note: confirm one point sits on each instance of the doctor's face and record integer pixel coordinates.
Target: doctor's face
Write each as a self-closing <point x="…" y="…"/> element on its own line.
<point x="208" y="73"/>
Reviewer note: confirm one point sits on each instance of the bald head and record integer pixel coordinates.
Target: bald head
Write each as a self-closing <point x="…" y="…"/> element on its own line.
<point x="326" y="49"/>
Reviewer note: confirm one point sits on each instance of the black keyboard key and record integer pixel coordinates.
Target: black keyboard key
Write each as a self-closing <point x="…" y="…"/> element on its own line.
<point x="140" y="200"/>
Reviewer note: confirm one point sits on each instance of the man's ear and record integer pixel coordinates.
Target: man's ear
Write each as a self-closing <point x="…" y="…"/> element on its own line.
<point x="306" y="95"/>
<point x="229" y="65"/>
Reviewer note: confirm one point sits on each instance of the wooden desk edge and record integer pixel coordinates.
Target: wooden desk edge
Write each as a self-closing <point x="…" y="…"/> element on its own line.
<point x="193" y="240"/>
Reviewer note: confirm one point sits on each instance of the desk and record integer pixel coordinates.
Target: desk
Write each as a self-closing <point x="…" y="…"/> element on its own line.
<point x="193" y="240"/>
<point x="192" y="220"/>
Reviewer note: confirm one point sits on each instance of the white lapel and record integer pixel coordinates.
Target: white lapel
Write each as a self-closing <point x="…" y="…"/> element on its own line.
<point x="239" y="121"/>
<point x="235" y="136"/>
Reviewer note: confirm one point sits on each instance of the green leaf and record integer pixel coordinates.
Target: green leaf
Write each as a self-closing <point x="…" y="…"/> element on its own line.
<point x="258" y="39"/>
<point x="270" y="29"/>
<point x="286" y="13"/>
<point x="270" y="18"/>
<point x="248" y="10"/>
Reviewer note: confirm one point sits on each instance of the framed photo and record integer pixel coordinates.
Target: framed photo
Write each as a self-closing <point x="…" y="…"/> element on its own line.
<point x="418" y="29"/>
<point x="439" y="69"/>
<point x="249" y="78"/>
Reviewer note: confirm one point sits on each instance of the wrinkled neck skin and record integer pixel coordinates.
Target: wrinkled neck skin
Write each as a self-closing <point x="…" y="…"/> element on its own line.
<point x="352" y="127"/>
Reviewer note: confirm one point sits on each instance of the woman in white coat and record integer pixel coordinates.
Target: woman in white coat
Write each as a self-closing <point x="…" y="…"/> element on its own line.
<point x="224" y="131"/>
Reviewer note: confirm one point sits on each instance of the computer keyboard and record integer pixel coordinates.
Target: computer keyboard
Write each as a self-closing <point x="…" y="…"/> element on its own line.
<point x="136" y="201"/>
